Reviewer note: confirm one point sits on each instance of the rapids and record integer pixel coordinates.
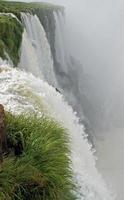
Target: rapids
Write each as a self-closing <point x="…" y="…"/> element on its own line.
<point x="29" y="89"/>
<point x="23" y="92"/>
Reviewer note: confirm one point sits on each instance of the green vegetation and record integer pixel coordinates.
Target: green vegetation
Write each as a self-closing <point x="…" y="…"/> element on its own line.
<point x="11" y="30"/>
<point x="37" y="164"/>
<point x="42" y="171"/>
<point x="17" y="7"/>
<point x="10" y="37"/>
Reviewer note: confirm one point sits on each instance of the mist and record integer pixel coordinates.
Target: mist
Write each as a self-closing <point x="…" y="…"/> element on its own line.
<point x="95" y="31"/>
<point x="97" y="39"/>
<point x="95" y="35"/>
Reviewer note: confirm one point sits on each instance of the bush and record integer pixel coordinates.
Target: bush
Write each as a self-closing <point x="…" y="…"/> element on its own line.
<point x="42" y="171"/>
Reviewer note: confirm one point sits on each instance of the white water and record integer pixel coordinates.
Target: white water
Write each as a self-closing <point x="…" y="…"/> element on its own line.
<point x="29" y="60"/>
<point x="21" y="92"/>
<point x="90" y="183"/>
<point x="60" y="41"/>
<point x="107" y="163"/>
<point x="36" y="58"/>
<point x="69" y="71"/>
<point x="36" y="54"/>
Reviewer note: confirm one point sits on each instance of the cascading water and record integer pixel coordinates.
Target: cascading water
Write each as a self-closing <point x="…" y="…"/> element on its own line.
<point x="63" y="74"/>
<point x="68" y="70"/>
<point x="62" y="55"/>
<point x="98" y="50"/>
<point x="74" y="84"/>
<point x="36" y="52"/>
<point x="28" y="56"/>
<point x="21" y="92"/>
<point x="35" y="43"/>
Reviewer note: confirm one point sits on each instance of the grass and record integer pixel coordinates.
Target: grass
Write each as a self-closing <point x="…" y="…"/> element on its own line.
<point x="10" y="38"/>
<point x="42" y="171"/>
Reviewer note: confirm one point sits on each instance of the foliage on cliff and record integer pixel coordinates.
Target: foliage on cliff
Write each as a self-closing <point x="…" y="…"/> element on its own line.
<point x="42" y="171"/>
<point x="10" y="37"/>
<point x="17" y="7"/>
<point x="45" y="13"/>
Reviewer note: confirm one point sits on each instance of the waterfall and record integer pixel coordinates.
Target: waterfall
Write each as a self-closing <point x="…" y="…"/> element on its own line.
<point x="62" y="56"/>
<point x="36" y="55"/>
<point x="21" y="92"/>
<point x="29" y="57"/>
<point x="35" y="51"/>
<point x="69" y="71"/>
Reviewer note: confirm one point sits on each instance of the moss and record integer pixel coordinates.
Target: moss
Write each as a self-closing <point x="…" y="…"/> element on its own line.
<point x="43" y="170"/>
<point x="10" y="37"/>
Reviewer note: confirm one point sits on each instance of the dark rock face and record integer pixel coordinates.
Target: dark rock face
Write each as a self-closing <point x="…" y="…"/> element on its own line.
<point x="3" y="143"/>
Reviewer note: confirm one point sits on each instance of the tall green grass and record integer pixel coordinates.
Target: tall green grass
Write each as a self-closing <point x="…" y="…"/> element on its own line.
<point x="43" y="170"/>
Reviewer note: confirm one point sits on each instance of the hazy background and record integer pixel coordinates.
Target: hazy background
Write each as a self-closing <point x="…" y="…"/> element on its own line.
<point x="96" y="37"/>
<point x="95" y="31"/>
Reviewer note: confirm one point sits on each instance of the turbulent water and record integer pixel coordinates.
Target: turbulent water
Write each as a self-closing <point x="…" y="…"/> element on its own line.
<point x="36" y="51"/>
<point x="22" y="92"/>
